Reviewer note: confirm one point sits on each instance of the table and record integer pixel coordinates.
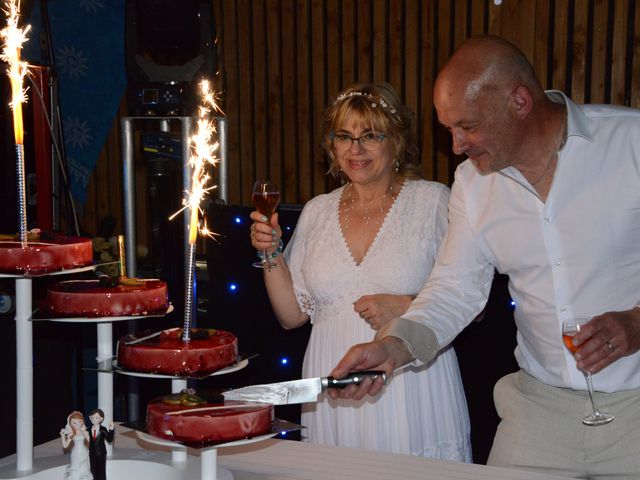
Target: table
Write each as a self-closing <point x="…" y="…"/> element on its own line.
<point x="290" y="460"/>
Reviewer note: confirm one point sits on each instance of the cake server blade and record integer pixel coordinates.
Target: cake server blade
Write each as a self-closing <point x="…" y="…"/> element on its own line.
<point x="297" y="391"/>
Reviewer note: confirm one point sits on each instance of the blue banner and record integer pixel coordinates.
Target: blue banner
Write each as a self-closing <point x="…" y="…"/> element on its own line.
<point x="88" y="47"/>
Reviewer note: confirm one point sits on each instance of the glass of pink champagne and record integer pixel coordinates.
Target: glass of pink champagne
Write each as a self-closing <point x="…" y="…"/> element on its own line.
<point x="266" y="197"/>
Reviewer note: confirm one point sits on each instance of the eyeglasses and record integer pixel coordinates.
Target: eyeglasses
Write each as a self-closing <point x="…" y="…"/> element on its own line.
<point x="368" y="141"/>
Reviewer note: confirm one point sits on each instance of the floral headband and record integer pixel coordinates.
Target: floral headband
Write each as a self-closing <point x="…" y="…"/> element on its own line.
<point x="374" y="103"/>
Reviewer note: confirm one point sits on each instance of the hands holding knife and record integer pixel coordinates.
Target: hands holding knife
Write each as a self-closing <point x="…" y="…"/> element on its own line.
<point x="385" y="354"/>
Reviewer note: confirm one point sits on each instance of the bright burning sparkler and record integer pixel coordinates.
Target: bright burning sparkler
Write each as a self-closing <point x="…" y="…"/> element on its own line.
<point x="202" y="155"/>
<point x="14" y="37"/>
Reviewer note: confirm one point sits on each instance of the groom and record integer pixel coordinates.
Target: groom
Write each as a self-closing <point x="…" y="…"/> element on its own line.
<point x="97" y="446"/>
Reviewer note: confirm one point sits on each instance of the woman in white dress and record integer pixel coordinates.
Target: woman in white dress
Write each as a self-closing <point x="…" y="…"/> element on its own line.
<point x="356" y="259"/>
<point x="76" y="431"/>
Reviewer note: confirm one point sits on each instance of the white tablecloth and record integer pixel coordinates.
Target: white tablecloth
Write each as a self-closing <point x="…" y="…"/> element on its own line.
<point x="290" y="460"/>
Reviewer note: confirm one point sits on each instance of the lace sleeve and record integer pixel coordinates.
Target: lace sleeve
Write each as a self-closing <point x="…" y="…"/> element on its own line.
<point x="306" y="302"/>
<point x="294" y="255"/>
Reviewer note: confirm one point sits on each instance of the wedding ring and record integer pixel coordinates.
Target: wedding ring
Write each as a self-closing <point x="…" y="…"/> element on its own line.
<point x="611" y="346"/>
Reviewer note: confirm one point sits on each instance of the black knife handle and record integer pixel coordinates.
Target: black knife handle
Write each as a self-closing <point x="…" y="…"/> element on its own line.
<point x="355" y="378"/>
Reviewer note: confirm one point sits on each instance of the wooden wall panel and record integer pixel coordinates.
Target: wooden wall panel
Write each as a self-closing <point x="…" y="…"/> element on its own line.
<point x="283" y="61"/>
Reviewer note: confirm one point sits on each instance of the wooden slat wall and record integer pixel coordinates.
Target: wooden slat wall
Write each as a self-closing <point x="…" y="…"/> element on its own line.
<point x="282" y="61"/>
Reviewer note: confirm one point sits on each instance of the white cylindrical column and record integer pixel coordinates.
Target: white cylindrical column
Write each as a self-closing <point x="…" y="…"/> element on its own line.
<point x="178" y="454"/>
<point x="209" y="464"/>
<point x="24" y="375"/>
<point x="105" y="379"/>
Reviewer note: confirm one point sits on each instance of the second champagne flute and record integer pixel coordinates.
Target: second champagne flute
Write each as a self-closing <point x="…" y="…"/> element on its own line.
<point x="266" y="197"/>
<point x="569" y="329"/>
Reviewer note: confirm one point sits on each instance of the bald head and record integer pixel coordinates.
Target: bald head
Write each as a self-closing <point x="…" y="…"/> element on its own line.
<point x="487" y="64"/>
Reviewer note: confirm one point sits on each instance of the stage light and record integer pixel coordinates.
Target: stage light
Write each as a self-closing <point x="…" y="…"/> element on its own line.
<point x="513" y="304"/>
<point x="232" y="287"/>
<point x="284" y="361"/>
<point x="238" y="220"/>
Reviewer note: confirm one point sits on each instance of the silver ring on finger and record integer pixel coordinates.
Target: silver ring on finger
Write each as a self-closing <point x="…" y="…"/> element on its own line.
<point x="612" y="347"/>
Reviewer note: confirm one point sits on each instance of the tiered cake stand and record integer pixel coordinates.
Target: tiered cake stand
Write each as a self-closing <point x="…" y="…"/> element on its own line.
<point x="154" y="465"/>
<point x="24" y="365"/>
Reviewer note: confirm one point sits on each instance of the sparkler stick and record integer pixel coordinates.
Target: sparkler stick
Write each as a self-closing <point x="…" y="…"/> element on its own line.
<point x="203" y="154"/>
<point x="14" y="37"/>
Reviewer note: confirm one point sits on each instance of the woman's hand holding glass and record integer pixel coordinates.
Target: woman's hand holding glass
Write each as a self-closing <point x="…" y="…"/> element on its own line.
<point x="265" y="236"/>
<point x="266" y="197"/>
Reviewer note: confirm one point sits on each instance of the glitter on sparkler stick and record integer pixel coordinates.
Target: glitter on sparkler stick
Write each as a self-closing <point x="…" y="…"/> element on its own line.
<point x="14" y="37"/>
<point x="203" y="155"/>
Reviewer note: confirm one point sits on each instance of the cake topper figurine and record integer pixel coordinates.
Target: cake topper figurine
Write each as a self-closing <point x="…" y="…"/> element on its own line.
<point x="98" y="436"/>
<point x="76" y="432"/>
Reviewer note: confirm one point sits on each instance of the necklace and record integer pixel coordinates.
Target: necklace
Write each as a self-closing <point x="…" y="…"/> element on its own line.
<point x="562" y="138"/>
<point x="348" y="204"/>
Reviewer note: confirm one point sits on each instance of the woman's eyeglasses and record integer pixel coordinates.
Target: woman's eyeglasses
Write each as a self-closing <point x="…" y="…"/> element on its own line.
<point x="368" y="141"/>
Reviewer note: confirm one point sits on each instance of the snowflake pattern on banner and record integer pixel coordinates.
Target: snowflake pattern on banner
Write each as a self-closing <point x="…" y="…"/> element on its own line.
<point x="88" y="41"/>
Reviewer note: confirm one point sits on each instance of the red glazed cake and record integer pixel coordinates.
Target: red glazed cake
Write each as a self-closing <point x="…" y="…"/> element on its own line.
<point x="202" y="423"/>
<point x="166" y="353"/>
<point x="47" y="254"/>
<point x="95" y="298"/>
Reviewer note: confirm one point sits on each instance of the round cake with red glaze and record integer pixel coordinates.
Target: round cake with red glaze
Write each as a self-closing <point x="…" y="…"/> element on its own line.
<point x="167" y="353"/>
<point x="95" y="298"/>
<point x="49" y="253"/>
<point x="201" y="423"/>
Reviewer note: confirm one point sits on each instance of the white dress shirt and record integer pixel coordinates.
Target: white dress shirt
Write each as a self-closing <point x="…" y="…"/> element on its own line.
<point x="576" y="254"/>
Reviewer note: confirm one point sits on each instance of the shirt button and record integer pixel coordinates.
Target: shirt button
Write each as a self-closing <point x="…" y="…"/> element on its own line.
<point x="547" y="219"/>
<point x="563" y="308"/>
<point x="557" y="263"/>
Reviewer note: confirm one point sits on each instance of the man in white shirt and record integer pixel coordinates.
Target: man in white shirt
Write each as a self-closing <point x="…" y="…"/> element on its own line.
<point x="550" y="196"/>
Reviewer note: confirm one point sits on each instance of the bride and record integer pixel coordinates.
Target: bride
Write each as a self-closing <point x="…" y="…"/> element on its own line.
<point x="76" y="431"/>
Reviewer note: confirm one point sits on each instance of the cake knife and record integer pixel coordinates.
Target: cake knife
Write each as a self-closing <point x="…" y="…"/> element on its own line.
<point x="298" y="391"/>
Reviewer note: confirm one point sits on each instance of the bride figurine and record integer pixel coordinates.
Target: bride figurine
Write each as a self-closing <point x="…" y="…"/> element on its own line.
<point x="76" y="431"/>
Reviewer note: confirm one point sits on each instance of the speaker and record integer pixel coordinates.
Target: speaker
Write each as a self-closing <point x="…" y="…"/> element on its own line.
<point x="169" y="47"/>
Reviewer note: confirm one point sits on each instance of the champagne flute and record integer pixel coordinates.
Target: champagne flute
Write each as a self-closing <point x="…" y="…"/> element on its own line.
<point x="569" y="329"/>
<point x="266" y="197"/>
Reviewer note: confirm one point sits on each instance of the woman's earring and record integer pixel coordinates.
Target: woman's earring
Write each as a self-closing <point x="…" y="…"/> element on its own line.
<point x="397" y="166"/>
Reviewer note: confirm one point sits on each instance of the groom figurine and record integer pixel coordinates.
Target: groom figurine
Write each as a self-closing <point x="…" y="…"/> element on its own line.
<point x="97" y="446"/>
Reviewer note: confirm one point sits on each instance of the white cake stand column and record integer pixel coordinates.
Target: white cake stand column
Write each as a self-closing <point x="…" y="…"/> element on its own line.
<point x="209" y="466"/>
<point x="24" y="375"/>
<point x="178" y="453"/>
<point x="105" y="379"/>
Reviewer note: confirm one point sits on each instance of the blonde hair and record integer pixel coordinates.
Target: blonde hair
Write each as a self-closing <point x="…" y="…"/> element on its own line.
<point x="375" y="106"/>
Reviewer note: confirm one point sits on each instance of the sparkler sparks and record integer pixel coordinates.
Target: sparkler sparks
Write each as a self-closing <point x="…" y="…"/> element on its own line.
<point x="14" y="37"/>
<point x="203" y="154"/>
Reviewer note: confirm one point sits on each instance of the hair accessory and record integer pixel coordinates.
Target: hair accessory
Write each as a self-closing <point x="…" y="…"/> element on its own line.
<point x="374" y="103"/>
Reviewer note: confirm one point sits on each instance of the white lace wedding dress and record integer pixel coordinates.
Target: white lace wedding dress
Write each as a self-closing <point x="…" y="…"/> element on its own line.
<point x="421" y="411"/>
<point x="79" y="467"/>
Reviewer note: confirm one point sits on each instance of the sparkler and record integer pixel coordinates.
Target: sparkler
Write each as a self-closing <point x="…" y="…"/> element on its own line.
<point x="14" y="37"/>
<point x="202" y="155"/>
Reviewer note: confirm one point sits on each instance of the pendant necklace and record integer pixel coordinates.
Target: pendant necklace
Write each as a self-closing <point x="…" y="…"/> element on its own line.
<point x="349" y="203"/>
